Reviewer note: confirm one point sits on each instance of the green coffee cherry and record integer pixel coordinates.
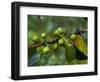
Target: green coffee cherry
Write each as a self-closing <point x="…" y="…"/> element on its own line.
<point x="43" y="35"/>
<point x="45" y="50"/>
<point x="60" y="41"/>
<point x="56" y="33"/>
<point x="73" y="36"/>
<point x="36" y="38"/>
<point x="55" y="46"/>
<point x="61" y="30"/>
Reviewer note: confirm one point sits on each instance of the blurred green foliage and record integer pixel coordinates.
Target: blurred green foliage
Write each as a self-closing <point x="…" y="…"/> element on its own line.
<point x="40" y="24"/>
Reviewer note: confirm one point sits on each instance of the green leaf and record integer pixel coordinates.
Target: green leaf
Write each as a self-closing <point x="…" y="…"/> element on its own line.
<point x="69" y="53"/>
<point x="80" y="44"/>
<point x="79" y="55"/>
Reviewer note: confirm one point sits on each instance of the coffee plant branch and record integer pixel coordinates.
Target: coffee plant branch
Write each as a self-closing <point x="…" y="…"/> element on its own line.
<point x="51" y="41"/>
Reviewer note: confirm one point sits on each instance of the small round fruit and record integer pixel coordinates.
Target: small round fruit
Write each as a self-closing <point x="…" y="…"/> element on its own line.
<point x="56" y="33"/>
<point x="43" y="35"/>
<point x="46" y="50"/>
<point x="36" y="38"/>
<point x="60" y="41"/>
<point x="55" y="46"/>
<point x="61" y="30"/>
<point x="73" y="36"/>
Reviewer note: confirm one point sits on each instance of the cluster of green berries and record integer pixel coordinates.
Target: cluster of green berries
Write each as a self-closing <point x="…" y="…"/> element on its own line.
<point x="59" y="31"/>
<point x="45" y="49"/>
<point x="37" y="37"/>
<point x="59" y="43"/>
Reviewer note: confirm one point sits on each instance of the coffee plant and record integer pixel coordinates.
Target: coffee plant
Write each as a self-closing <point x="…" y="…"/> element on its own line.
<point x="57" y="40"/>
<point x="42" y="48"/>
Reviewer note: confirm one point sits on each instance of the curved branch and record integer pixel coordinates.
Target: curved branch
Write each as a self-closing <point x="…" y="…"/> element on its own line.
<point x="51" y="41"/>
